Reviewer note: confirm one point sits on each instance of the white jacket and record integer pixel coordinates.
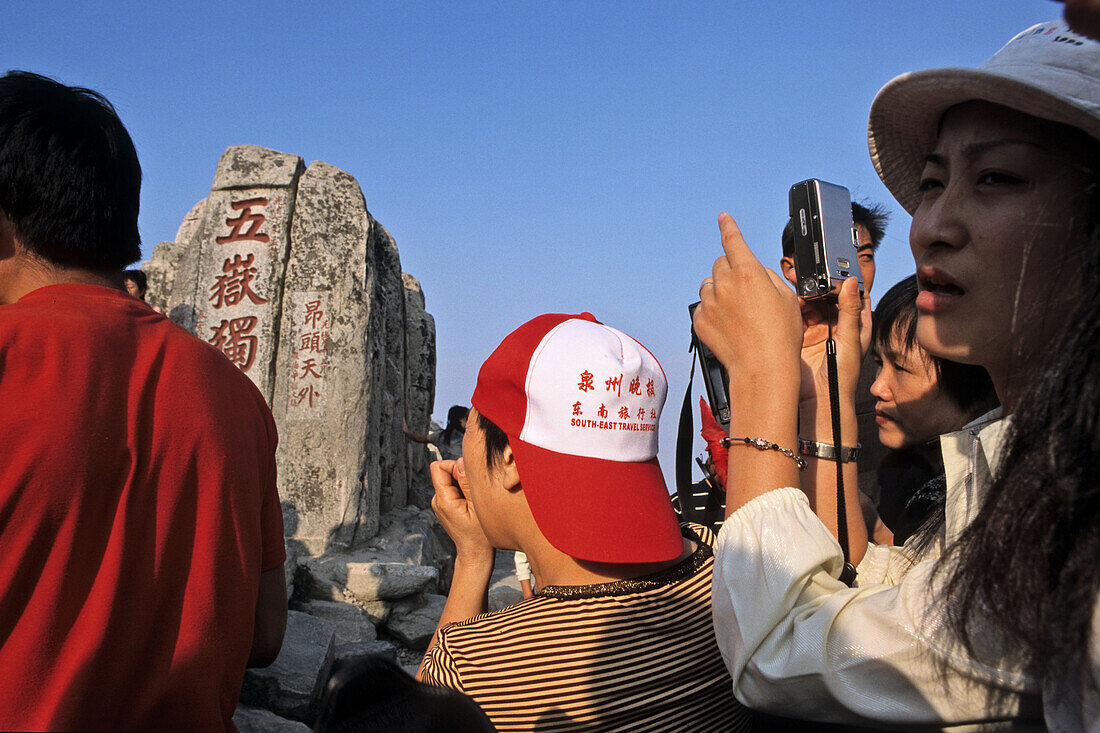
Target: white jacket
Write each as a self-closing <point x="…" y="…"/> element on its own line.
<point x="800" y="643"/>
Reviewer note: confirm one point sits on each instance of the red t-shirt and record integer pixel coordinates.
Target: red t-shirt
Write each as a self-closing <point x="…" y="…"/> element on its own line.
<point x="137" y="511"/>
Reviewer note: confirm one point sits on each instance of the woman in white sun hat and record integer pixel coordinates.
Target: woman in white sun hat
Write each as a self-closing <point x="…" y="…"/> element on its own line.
<point x="1000" y="167"/>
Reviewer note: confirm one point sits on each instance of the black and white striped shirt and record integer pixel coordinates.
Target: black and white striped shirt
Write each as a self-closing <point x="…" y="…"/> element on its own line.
<point x="637" y="655"/>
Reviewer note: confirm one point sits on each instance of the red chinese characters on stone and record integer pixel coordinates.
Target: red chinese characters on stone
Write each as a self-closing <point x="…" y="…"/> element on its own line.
<point x="238" y="233"/>
<point x="649" y="391"/>
<point x="314" y="314"/>
<point x="586" y="381"/>
<point x="615" y="384"/>
<point x="577" y="408"/>
<point x="310" y="368"/>
<point x="233" y="339"/>
<point x="314" y="342"/>
<point x="624" y="412"/>
<point x="641" y="413"/>
<point x="233" y="287"/>
<point x="636" y="386"/>
<point x="652" y="414"/>
<point x="306" y="393"/>
<point x="602" y="412"/>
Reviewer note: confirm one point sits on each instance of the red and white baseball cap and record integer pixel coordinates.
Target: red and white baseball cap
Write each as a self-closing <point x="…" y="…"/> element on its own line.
<point x="580" y="403"/>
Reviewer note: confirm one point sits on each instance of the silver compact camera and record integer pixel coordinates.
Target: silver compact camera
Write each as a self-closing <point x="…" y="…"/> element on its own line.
<point x="825" y="242"/>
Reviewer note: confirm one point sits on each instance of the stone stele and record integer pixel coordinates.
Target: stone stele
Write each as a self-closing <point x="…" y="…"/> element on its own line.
<point x="284" y="270"/>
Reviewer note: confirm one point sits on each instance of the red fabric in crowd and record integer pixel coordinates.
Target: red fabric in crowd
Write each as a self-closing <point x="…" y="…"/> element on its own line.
<point x="137" y="510"/>
<point x="713" y="434"/>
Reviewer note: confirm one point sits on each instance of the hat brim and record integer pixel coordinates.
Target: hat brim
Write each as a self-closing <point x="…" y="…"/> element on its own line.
<point x="905" y="117"/>
<point x="599" y="510"/>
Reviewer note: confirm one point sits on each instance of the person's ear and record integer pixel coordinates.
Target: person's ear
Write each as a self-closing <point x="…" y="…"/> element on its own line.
<point x="786" y="265"/>
<point x="508" y="468"/>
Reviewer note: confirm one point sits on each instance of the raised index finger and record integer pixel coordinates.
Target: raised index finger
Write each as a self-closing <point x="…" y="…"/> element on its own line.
<point x="737" y="251"/>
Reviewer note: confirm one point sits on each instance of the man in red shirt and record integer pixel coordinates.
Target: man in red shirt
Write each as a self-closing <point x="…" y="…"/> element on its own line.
<point x="141" y="544"/>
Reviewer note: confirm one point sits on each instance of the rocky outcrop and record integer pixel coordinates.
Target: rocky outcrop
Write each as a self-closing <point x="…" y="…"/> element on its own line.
<point x="419" y="388"/>
<point x="291" y="687"/>
<point x="282" y="268"/>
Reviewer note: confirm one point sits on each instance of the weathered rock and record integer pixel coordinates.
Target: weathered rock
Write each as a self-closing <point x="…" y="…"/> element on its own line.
<point x="502" y="595"/>
<point x="388" y="581"/>
<point x="250" y="166"/>
<point x="504" y="588"/>
<point x="292" y="685"/>
<point x="242" y="258"/>
<point x="419" y="387"/>
<point x="323" y="362"/>
<point x="413" y="621"/>
<point x="285" y="271"/>
<point x="349" y="621"/>
<point x="377" y="611"/>
<point x="257" y="720"/>
<point x="192" y="222"/>
<point x="345" y="652"/>
<point x="411" y="554"/>
<point x="386" y="378"/>
<point x="415" y="536"/>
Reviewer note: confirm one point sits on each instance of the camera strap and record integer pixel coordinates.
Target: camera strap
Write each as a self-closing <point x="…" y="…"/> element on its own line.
<point x="848" y="574"/>
<point x="685" y="435"/>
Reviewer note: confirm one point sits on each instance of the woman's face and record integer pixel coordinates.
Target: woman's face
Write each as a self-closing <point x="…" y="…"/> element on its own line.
<point x="910" y="407"/>
<point x="993" y="236"/>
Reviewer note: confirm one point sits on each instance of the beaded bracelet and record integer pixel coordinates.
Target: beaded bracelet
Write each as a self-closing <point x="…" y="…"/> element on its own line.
<point x="762" y="444"/>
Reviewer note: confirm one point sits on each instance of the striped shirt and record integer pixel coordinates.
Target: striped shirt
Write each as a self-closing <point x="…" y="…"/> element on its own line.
<point x="633" y="655"/>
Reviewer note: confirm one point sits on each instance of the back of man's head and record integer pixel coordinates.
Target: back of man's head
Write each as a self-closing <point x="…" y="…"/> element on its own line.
<point x="70" y="180"/>
<point x="579" y="404"/>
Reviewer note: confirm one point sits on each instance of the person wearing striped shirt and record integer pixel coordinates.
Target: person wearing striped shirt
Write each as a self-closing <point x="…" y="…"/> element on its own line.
<point x="559" y="462"/>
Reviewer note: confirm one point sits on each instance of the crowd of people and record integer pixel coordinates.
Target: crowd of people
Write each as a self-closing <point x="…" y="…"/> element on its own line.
<point x="141" y="548"/>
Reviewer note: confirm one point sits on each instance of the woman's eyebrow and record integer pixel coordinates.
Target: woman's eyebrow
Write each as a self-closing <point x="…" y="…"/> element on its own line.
<point x="973" y="150"/>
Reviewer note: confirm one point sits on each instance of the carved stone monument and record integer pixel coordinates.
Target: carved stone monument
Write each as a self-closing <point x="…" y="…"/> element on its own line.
<point x="284" y="270"/>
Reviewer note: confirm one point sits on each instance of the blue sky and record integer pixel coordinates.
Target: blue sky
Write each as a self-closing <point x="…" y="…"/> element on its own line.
<point x="527" y="157"/>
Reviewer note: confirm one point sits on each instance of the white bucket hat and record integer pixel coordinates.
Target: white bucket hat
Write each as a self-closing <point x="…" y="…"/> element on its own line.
<point x="1047" y="71"/>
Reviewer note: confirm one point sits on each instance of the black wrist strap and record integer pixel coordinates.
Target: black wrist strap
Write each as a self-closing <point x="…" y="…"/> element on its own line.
<point x="684" y="437"/>
<point x="848" y="575"/>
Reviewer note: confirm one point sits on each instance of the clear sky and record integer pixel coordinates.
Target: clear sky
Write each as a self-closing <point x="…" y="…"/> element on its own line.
<point x="526" y="156"/>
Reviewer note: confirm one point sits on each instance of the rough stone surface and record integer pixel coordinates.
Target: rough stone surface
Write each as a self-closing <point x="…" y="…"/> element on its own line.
<point x="192" y="222"/>
<point x="504" y="588"/>
<point x="385" y="649"/>
<point x="419" y="387"/>
<point x="377" y="581"/>
<point x="414" y="620"/>
<point x="292" y="685"/>
<point x="242" y="260"/>
<point x="286" y="272"/>
<point x="349" y="622"/>
<point x="386" y="443"/>
<point x="257" y="720"/>
<point x="410" y="554"/>
<point x="248" y="166"/>
<point x="321" y="389"/>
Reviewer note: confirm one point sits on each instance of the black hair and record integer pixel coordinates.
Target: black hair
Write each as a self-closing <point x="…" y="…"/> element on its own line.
<point x="70" y="180"/>
<point x="138" y="277"/>
<point x="872" y="216"/>
<point x="496" y="440"/>
<point x="967" y="385"/>
<point x="372" y="693"/>
<point x="454" y="421"/>
<point x="1026" y="566"/>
